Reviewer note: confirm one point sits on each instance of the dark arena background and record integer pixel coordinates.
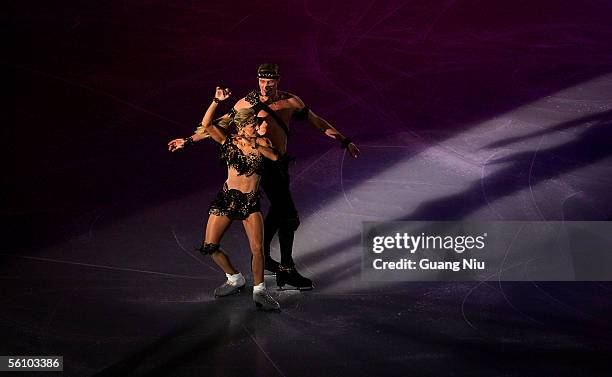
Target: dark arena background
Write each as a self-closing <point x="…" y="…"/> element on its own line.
<point x="463" y="110"/>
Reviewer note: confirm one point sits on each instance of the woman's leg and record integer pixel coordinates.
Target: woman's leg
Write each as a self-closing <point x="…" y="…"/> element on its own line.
<point x="215" y="228"/>
<point x="253" y="226"/>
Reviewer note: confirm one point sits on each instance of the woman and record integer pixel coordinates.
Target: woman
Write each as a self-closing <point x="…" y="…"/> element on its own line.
<point x="238" y="199"/>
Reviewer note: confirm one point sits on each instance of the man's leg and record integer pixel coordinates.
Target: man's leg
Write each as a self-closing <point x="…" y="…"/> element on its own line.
<point x="287" y="274"/>
<point x="270" y="179"/>
<point x="271" y="226"/>
<point x="283" y="218"/>
<point x="284" y="221"/>
<point x="286" y="231"/>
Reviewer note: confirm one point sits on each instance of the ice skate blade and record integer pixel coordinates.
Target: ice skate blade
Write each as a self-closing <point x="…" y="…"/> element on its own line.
<point x="237" y="291"/>
<point x="288" y="287"/>
<point x="260" y="307"/>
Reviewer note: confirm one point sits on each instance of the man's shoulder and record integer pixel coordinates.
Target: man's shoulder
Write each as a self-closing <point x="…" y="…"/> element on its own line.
<point x="249" y="100"/>
<point x="252" y="97"/>
<point x="292" y="99"/>
<point x="286" y="95"/>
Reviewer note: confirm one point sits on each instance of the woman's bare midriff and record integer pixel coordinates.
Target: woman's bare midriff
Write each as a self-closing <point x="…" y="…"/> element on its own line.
<point x="241" y="182"/>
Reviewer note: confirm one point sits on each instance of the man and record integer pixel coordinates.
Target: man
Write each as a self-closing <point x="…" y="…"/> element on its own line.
<point x="278" y="108"/>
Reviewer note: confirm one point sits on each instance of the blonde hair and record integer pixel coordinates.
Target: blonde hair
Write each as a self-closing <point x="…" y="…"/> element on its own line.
<point x="241" y="117"/>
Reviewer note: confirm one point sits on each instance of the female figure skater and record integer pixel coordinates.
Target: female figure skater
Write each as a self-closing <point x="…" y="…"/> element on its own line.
<point x="238" y="199"/>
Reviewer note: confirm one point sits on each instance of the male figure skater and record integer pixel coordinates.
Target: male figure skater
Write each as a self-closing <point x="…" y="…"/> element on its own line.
<point x="278" y="108"/>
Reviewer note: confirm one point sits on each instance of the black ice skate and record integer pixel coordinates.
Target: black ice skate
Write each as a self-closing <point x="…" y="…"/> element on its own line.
<point x="271" y="266"/>
<point x="289" y="278"/>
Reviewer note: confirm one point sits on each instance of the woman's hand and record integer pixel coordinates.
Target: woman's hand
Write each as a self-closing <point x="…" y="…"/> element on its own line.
<point x="262" y="128"/>
<point x="176" y="145"/>
<point x="222" y="93"/>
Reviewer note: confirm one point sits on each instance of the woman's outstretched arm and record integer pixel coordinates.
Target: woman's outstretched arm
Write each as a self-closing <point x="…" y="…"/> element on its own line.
<point x="217" y="135"/>
<point x="221" y="94"/>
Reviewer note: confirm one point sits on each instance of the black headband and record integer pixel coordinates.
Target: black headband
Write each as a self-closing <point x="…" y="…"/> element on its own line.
<point x="268" y="75"/>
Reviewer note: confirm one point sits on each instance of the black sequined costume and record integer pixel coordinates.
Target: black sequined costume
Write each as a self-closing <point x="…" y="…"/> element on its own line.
<point x="234" y="157"/>
<point x="233" y="203"/>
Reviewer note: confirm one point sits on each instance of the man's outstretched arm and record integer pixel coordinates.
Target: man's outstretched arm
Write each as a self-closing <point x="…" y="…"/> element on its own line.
<point x="322" y="125"/>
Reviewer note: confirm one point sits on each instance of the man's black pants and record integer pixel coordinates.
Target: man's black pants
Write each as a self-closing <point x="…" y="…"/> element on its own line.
<point x="282" y="216"/>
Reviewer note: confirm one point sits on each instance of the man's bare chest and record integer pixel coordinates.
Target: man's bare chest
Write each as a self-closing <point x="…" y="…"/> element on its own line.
<point x="283" y="108"/>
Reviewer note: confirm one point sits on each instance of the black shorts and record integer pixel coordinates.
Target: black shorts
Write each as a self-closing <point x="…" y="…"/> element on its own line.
<point x="235" y="204"/>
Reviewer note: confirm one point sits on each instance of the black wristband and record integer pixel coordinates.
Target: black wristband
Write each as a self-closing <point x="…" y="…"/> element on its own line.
<point x="345" y="143"/>
<point x="216" y="100"/>
<point x="188" y="142"/>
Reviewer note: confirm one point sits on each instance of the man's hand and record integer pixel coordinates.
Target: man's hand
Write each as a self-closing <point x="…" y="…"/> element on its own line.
<point x="222" y="93"/>
<point x="353" y="150"/>
<point x="176" y="145"/>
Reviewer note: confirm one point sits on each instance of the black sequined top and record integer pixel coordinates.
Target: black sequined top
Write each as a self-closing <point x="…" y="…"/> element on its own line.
<point x="244" y="163"/>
